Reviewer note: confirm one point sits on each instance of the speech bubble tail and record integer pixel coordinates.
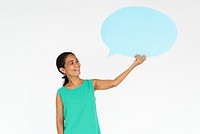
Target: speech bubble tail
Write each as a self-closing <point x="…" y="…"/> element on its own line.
<point x="111" y="53"/>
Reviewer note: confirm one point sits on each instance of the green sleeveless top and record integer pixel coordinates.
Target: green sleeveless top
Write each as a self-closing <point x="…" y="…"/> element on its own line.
<point x="79" y="109"/>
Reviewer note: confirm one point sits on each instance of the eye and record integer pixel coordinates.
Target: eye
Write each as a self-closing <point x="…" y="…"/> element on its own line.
<point x="71" y="63"/>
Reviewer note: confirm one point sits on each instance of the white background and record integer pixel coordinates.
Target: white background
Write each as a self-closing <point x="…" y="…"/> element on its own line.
<point x="161" y="96"/>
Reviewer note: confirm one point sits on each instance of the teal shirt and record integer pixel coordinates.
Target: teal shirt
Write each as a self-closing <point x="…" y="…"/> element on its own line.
<point x="79" y="109"/>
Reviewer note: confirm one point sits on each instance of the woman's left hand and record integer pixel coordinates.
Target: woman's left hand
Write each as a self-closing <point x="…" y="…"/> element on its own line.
<point x="139" y="59"/>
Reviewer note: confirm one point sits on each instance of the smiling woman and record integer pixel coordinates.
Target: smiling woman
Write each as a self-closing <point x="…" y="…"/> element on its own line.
<point x="75" y="100"/>
<point x="69" y="66"/>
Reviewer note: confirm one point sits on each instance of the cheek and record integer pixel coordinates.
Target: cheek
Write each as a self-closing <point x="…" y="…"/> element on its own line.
<point x="68" y="69"/>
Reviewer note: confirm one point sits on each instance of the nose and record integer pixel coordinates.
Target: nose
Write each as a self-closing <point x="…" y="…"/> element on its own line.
<point x="77" y="64"/>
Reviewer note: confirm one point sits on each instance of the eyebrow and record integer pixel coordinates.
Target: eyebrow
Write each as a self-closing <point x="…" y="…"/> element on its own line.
<point x="72" y="60"/>
<point x="69" y="61"/>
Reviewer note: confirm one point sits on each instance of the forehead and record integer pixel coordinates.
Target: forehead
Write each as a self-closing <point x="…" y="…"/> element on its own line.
<point x="70" y="57"/>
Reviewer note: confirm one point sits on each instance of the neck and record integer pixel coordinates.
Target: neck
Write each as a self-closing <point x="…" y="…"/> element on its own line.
<point x="74" y="82"/>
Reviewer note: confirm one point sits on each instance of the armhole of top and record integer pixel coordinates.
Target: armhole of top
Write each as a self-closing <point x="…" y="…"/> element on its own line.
<point x="60" y="95"/>
<point x="58" y="92"/>
<point x="91" y="85"/>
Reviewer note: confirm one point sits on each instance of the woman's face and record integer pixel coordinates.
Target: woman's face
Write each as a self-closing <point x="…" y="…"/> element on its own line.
<point x="72" y="66"/>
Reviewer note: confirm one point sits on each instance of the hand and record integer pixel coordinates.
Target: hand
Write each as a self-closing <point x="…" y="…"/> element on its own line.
<point x="139" y="59"/>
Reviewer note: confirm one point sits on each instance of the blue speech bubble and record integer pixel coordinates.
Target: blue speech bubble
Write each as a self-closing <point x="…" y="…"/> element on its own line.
<point x="138" y="30"/>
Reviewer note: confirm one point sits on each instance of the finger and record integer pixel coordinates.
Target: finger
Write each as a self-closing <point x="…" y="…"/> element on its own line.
<point x="136" y="55"/>
<point x="144" y="57"/>
<point x="139" y="58"/>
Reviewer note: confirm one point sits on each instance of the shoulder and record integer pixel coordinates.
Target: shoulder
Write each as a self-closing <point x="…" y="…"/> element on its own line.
<point x="89" y="80"/>
<point x="60" y="90"/>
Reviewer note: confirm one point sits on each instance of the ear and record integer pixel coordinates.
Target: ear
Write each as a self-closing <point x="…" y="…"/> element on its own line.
<point x="62" y="70"/>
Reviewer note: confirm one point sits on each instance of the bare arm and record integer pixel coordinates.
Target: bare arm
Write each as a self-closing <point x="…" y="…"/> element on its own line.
<point x="107" y="84"/>
<point x="59" y="115"/>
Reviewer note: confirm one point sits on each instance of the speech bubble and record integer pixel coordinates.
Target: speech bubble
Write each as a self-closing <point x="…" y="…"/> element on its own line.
<point x="138" y="30"/>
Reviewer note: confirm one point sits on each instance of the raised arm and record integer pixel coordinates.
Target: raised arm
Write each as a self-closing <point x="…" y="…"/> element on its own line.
<point x="107" y="84"/>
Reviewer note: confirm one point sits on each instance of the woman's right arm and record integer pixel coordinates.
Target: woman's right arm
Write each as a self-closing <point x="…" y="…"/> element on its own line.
<point x="59" y="115"/>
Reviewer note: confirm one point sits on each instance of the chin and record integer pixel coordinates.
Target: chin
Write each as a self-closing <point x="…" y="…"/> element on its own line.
<point x="77" y="74"/>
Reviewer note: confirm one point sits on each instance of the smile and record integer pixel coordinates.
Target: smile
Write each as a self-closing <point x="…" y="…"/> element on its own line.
<point x="77" y="69"/>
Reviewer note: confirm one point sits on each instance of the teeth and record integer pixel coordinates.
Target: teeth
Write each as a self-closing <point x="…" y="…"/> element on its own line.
<point x="76" y="69"/>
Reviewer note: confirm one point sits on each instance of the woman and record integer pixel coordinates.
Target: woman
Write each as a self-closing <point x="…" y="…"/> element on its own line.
<point x="75" y="100"/>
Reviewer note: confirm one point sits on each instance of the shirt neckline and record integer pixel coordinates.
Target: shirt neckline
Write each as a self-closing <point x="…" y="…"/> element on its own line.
<point x="75" y="87"/>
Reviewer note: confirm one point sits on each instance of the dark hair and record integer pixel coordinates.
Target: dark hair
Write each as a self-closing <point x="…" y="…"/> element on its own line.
<point x="60" y="62"/>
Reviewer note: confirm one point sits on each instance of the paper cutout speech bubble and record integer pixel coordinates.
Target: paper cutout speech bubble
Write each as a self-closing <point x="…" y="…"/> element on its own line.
<point x="138" y="30"/>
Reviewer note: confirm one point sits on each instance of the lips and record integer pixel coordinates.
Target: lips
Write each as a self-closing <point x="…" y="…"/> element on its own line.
<point x="77" y="69"/>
